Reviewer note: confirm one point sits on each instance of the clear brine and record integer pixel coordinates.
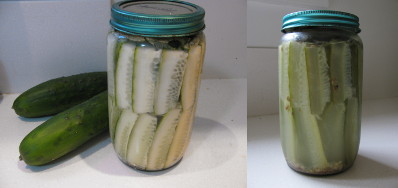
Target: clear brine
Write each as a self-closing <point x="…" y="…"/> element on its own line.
<point x="320" y="86"/>
<point x="153" y="85"/>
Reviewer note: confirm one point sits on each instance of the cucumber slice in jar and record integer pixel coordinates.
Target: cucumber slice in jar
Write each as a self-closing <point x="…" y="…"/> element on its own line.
<point x="124" y="76"/>
<point x="310" y="151"/>
<point x="191" y="78"/>
<point x="318" y="78"/>
<point x="111" y="48"/>
<point x="340" y="71"/>
<point x="162" y="140"/>
<point x="298" y="80"/>
<point x="114" y="114"/>
<point x="146" y="67"/>
<point x="141" y="140"/>
<point x="123" y="130"/>
<point x="181" y="137"/>
<point x="171" y="73"/>
<point x="331" y="125"/>
<point x="352" y="129"/>
<point x="288" y="129"/>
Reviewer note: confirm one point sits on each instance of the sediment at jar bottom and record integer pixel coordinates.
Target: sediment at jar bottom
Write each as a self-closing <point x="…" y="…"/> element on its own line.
<point x="332" y="169"/>
<point x="320" y="102"/>
<point x="153" y="99"/>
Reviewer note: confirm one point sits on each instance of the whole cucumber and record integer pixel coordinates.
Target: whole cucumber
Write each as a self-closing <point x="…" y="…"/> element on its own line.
<point x="65" y="131"/>
<point x="57" y="95"/>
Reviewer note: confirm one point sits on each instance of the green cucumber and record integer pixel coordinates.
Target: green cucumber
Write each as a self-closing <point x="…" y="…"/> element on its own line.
<point x="123" y="131"/>
<point x="171" y="73"/>
<point x="124" y="76"/>
<point x="162" y="140"/>
<point x="318" y="78"/>
<point x="146" y="67"/>
<point x="65" y="131"/>
<point x="57" y="95"/>
<point x="141" y="140"/>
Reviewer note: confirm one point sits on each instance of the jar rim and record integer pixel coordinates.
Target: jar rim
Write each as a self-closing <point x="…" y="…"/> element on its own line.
<point x="157" y="18"/>
<point x="321" y="18"/>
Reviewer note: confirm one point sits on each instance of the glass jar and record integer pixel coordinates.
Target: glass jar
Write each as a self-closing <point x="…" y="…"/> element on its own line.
<point x="320" y="90"/>
<point x="155" y="56"/>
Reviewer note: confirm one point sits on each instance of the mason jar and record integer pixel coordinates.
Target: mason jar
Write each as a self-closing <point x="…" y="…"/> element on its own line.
<point x="155" y="53"/>
<point x="320" y="90"/>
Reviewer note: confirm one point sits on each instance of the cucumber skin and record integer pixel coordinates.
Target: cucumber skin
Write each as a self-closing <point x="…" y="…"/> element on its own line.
<point x="65" y="131"/>
<point x="59" y="94"/>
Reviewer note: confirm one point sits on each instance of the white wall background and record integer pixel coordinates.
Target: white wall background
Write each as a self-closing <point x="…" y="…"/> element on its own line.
<point x="379" y="26"/>
<point x="42" y="39"/>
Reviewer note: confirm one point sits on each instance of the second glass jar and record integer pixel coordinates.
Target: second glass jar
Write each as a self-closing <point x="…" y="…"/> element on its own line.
<point x="320" y="91"/>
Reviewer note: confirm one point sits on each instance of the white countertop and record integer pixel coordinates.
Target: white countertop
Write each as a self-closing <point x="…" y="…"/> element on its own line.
<point x="375" y="167"/>
<point x="216" y="156"/>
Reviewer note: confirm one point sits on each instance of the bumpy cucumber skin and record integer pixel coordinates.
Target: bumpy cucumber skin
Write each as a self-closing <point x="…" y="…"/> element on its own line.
<point x="57" y="95"/>
<point x="66" y="131"/>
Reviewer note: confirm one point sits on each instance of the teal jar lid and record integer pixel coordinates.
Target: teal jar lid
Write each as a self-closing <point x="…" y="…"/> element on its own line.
<point x="321" y="18"/>
<point x="157" y="18"/>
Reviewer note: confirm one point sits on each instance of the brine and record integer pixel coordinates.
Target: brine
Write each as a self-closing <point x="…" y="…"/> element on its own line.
<point x="153" y="88"/>
<point x="320" y="86"/>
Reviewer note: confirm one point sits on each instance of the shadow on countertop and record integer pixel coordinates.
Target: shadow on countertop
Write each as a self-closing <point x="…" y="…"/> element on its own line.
<point x="365" y="172"/>
<point x="107" y="162"/>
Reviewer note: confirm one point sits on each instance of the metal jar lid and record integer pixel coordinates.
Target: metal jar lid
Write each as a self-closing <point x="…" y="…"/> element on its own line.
<point x="157" y="18"/>
<point x="321" y="18"/>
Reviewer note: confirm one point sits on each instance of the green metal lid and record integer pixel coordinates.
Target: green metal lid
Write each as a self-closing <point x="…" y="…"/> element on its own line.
<point x="157" y="18"/>
<point x="323" y="18"/>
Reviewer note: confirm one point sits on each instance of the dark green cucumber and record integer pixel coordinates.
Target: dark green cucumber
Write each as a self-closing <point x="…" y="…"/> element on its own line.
<point x="65" y="131"/>
<point x="57" y="95"/>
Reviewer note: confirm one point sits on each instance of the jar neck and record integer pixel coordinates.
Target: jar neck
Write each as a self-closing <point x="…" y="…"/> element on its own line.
<point x="319" y="29"/>
<point x="318" y="34"/>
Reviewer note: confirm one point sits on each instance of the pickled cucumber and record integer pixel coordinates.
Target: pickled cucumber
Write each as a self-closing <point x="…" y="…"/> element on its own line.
<point x="352" y="129"/>
<point x="181" y="138"/>
<point x="146" y="67"/>
<point x="318" y="78"/>
<point x="124" y="127"/>
<point x="141" y="140"/>
<point x="191" y="78"/>
<point x="124" y="76"/>
<point x="285" y="109"/>
<point x="171" y="73"/>
<point x="340" y="71"/>
<point x="308" y="134"/>
<point x="162" y="140"/>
